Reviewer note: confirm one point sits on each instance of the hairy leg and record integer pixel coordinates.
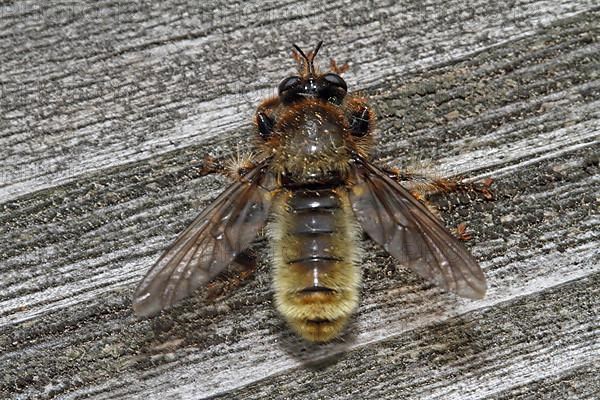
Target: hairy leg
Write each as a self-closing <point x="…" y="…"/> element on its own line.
<point x="423" y="185"/>
<point x="338" y="69"/>
<point x="208" y="166"/>
<point x="242" y="267"/>
<point x="234" y="168"/>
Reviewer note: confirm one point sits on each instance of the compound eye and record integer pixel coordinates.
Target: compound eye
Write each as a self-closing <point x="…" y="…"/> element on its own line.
<point x="332" y="88"/>
<point x="335" y="80"/>
<point x="288" y="83"/>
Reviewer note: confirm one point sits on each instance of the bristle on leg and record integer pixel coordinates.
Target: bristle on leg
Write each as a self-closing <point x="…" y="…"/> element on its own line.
<point x="239" y="165"/>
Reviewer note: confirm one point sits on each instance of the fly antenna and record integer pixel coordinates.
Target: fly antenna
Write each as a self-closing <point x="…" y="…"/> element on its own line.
<point x="315" y="51"/>
<point x="309" y="60"/>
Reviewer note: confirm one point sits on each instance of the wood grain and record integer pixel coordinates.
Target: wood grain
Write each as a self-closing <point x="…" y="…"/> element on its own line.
<point x="105" y="106"/>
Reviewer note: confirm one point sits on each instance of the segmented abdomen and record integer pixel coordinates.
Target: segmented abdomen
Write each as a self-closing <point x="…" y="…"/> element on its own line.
<point x="315" y="247"/>
<point x="315" y="237"/>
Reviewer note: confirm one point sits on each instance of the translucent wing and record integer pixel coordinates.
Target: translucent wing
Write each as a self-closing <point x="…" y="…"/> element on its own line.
<point x="392" y="217"/>
<point x="208" y="245"/>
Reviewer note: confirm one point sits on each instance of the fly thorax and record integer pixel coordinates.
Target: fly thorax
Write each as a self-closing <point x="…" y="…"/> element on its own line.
<point x="312" y="145"/>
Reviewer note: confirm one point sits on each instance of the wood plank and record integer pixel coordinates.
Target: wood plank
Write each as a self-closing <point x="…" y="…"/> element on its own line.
<point x="91" y="102"/>
<point x="486" y="353"/>
<point x="105" y="107"/>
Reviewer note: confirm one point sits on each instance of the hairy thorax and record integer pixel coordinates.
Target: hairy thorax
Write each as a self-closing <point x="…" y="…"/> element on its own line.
<point x="312" y="144"/>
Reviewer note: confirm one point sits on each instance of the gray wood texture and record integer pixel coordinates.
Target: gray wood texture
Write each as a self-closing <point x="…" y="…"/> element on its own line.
<point x="105" y="105"/>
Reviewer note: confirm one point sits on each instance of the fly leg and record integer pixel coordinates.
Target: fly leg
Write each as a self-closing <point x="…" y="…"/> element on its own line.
<point x="234" y="168"/>
<point x="422" y="185"/>
<point x="242" y="267"/>
<point x="208" y="166"/>
<point x="338" y="69"/>
<point x="461" y="232"/>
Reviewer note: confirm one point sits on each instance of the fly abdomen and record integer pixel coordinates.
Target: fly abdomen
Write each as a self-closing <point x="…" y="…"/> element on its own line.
<point x="313" y="229"/>
<point x="315" y="248"/>
<point x="314" y="222"/>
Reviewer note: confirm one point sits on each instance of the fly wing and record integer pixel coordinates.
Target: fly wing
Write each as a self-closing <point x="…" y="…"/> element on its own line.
<point x="208" y="245"/>
<point x="392" y="217"/>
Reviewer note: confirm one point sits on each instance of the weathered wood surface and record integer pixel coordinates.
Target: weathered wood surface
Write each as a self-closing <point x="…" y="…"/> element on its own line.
<point x="105" y="105"/>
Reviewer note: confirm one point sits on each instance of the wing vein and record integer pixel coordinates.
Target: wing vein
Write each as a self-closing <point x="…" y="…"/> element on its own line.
<point x="411" y="233"/>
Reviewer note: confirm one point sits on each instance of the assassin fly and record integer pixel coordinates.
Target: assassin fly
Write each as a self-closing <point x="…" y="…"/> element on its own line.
<point x="313" y="183"/>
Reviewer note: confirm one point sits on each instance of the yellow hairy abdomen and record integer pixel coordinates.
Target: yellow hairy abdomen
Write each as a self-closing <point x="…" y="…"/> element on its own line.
<point x="317" y="316"/>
